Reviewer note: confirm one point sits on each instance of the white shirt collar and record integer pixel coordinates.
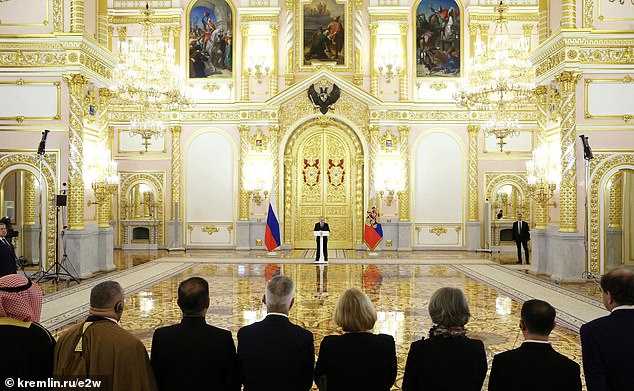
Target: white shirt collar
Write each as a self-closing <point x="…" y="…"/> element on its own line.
<point x="535" y="341"/>
<point x="623" y="307"/>
<point x="111" y="319"/>
<point x="276" y="313"/>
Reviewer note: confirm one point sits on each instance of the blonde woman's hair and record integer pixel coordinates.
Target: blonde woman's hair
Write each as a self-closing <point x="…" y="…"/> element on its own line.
<point x="449" y="307"/>
<point x="354" y="311"/>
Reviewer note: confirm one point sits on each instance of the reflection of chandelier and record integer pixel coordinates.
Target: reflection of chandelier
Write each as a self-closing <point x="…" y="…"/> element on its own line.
<point x="500" y="80"/>
<point x="148" y="78"/>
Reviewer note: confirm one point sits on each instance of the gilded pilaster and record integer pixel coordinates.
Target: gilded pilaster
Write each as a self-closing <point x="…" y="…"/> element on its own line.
<point x="244" y="77"/>
<point x="473" y="37"/>
<point x="288" y="183"/>
<point x="374" y="151"/>
<point x="473" y="172"/>
<point x="484" y="33"/>
<point x="568" y="14"/>
<point x="176" y="33"/>
<point x="403" y="84"/>
<point x="358" y="42"/>
<point x="274" y="134"/>
<point x="244" y="149"/>
<point x="404" y="196"/>
<point x="567" y="81"/>
<point x="541" y="92"/>
<point x="76" y="85"/>
<point x="122" y="32"/>
<point x="528" y="32"/>
<point x="102" y="28"/>
<point x="58" y="16"/>
<point x="165" y="33"/>
<point x="543" y="23"/>
<point x="176" y="167"/>
<point x="616" y="201"/>
<point x="359" y="199"/>
<point x="289" y="33"/>
<point x="274" y="71"/>
<point x="29" y="198"/>
<point x="104" y="200"/>
<point x="110" y="35"/>
<point x="374" y="77"/>
<point x="77" y="16"/>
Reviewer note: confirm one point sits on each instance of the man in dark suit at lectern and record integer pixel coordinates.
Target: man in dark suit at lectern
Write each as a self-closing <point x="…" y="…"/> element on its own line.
<point x="521" y="236"/>
<point x="322" y="226"/>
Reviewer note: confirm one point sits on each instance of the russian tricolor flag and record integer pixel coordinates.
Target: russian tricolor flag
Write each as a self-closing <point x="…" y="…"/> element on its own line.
<point x="373" y="232"/>
<point x="272" y="233"/>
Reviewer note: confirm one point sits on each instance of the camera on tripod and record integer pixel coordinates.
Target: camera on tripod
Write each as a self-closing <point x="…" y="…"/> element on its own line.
<point x="11" y="233"/>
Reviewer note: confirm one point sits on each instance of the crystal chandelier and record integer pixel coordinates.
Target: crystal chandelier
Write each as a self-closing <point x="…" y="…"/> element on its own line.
<point x="149" y="79"/>
<point x="500" y="80"/>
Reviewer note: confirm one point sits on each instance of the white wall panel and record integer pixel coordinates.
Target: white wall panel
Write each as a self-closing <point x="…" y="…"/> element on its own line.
<point x="608" y="98"/>
<point x="35" y="101"/>
<point x="210" y="179"/>
<point x="134" y="143"/>
<point x="521" y="143"/>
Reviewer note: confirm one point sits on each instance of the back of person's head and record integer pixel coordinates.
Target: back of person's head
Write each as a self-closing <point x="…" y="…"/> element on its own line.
<point x="20" y="298"/>
<point x="448" y="307"/>
<point x="538" y="317"/>
<point x="193" y="296"/>
<point x="280" y="291"/>
<point x="620" y="284"/>
<point x="354" y="311"/>
<point x="105" y="295"/>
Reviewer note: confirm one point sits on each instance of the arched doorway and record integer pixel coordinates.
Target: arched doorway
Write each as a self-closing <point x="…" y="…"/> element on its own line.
<point x="323" y="176"/>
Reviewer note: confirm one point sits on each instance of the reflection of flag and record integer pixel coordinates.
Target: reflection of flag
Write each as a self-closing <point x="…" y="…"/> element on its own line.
<point x="373" y="232"/>
<point x="272" y="233"/>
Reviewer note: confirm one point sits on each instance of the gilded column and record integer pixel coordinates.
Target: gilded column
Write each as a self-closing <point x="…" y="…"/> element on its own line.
<point x="473" y="172"/>
<point x="244" y="149"/>
<point x="290" y="39"/>
<point x="404" y="196"/>
<point x="358" y="42"/>
<point x="104" y="199"/>
<point x="288" y="184"/>
<point x="76" y="85"/>
<point x="528" y="32"/>
<point x="77" y="16"/>
<point x="616" y="201"/>
<point x="110" y="35"/>
<point x="374" y="77"/>
<point x="403" y="86"/>
<point x="541" y="92"/>
<point x="29" y="198"/>
<point x="104" y="101"/>
<point x="176" y="167"/>
<point x="473" y="37"/>
<point x="568" y="14"/>
<point x="274" y="71"/>
<point x="374" y="151"/>
<point x="359" y="199"/>
<point x="543" y="21"/>
<point x="274" y="134"/>
<point x="102" y="31"/>
<point x="244" y="77"/>
<point x="567" y="81"/>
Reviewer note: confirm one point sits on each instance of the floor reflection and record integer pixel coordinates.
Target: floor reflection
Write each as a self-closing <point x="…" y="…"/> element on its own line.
<point x="400" y="294"/>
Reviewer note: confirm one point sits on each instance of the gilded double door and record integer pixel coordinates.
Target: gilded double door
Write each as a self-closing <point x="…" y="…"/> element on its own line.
<point x="323" y="179"/>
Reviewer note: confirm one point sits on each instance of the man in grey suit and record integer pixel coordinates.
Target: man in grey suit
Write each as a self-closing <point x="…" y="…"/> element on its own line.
<point x="607" y="343"/>
<point x="275" y="354"/>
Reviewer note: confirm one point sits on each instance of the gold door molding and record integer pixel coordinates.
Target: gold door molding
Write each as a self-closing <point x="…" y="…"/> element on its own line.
<point x="324" y="176"/>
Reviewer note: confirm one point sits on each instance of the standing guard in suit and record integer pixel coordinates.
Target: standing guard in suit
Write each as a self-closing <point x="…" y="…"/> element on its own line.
<point x="521" y="236"/>
<point x="607" y="343"/>
<point x="193" y="355"/>
<point x="7" y="254"/>
<point x="322" y="226"/>
<point x="549" y="370"/>
<point x="275" y="354"/>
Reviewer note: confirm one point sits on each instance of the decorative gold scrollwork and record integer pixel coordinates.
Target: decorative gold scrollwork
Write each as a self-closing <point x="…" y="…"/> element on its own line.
<point x="210" y="229"/>
<point x="336" y="173"/>
<point x="438" y="230"/>
<point x="311" y="173"/>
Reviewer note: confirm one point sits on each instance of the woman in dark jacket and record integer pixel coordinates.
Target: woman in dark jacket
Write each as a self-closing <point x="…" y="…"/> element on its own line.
<point x="358" y="359"/>
<point x="447" y="360"/>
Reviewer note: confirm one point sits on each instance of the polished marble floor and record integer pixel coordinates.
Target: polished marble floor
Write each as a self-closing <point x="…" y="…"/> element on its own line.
<point x="400" y="293"/>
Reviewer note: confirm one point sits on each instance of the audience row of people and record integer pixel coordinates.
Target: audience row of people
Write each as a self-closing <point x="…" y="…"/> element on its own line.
<point x="275" y="354"/>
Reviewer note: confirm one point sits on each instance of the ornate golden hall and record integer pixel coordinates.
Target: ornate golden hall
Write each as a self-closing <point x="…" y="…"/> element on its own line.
<point x="145" y="141"/>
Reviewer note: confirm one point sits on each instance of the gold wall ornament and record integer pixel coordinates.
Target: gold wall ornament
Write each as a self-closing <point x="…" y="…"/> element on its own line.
<point x="49" y="171"/>
<point x="243" y="130"/>
<point x="258" y="142"/>
<point x="473" y="172"/>
<point x="373" y="131"/>
<point x="129" y="181"/>
<point x="418" y="228"/>
<point x="76" y="85"/>
<point x="567" y="82"/>
<point x="76" y="16"/>
<point x="274" y="134"/>
<point x="438" y="86"/>
<point x="404" y="195"/>
<point x="616" y="201"/>
<point x="58" y="16"/>
<point x="89" y="104"/>
<point x="29" y="198"/>
<point x="388" y="141"/>
<point x="210" y="229"/>
<point x="438" y="230"/>
<point x="176" y="168"/>
<point x="602" y="164"/>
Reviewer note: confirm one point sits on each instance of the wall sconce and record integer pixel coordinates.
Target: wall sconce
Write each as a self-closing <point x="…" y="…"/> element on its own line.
<point x="259" y="65"/>
<point x="389" y="62"/>
<point x="542" y="176"/>
<point x="258" y="178"/>
<point x="389" y="179"/>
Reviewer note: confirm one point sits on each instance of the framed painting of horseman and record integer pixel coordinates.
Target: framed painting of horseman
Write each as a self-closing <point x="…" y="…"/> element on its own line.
<point x="438" y="38"/>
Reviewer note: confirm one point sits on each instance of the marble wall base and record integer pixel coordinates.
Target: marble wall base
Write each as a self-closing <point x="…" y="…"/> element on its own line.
<point x="242" y="235"/>
<point x="256" y="234"/>
<point x="560" y="255"/>
<point x="174" y="236"/>
<point x="105" y="256"/>
<point x="82" y="248"/>
<point x="30" y="237"/>
<point x="474" y="235"/>
<point x="614" y="247"/>
<point x="404" y="236"/>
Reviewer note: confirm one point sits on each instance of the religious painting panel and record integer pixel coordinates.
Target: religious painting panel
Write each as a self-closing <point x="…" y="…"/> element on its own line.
<point x="438" y="39"/>
<point x="324" y="32"/>
<point x="210" y="38"/>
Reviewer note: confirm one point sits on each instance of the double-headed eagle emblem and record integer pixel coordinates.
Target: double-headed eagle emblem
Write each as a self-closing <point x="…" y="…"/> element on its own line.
<point x="322" y="98"/>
